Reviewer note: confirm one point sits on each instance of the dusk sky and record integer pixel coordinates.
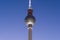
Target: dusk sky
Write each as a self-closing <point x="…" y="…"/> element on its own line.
<point x="13" y="13"/>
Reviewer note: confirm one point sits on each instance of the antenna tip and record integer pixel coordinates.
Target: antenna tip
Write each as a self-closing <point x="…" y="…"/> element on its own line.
<point x="29" y="4"/>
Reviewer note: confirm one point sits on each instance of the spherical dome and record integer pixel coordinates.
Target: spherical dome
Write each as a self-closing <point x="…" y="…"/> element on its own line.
<point x="30" y="20"/>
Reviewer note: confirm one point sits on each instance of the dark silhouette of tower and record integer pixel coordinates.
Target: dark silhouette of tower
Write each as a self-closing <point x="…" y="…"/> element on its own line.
<point x="30" y="20"/>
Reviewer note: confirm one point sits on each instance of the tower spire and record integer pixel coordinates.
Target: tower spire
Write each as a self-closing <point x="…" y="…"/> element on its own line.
<point x="29" y="4"/>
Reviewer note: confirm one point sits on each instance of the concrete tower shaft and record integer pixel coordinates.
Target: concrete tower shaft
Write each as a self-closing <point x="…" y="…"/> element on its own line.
<point x="30" y="33"/>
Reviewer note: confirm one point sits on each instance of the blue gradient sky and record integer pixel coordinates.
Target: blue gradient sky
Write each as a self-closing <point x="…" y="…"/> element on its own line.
<point x="13" y="12"/>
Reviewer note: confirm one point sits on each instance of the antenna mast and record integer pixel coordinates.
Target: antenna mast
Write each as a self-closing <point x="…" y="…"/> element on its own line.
<point x="29" y="4"/>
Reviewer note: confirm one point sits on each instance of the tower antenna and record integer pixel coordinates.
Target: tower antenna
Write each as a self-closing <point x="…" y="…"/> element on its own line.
<point x="29" y="4"/>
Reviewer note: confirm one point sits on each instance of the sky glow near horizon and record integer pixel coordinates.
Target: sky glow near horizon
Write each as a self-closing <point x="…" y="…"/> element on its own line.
<point x="13" y="12"/>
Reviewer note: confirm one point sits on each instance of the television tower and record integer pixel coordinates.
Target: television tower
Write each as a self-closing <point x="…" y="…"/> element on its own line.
<point x="30" y="20"/>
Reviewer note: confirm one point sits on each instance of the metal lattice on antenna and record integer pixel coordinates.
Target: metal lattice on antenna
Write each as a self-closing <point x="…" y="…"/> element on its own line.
<point x="29" y="4"/>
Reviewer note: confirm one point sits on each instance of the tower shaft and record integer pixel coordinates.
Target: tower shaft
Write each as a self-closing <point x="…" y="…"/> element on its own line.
<point x="30" y="34"/>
